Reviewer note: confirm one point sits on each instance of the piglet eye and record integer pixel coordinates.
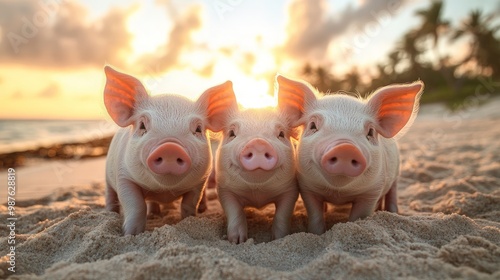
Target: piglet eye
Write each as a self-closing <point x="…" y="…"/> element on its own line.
<point x="370" y="134"/>
<point x="312" y="126"/>
<point x="231" y="133"/>
<point x="282" y="134"/>
<point x="198" y="131"/>
<point x="142" y="128"/>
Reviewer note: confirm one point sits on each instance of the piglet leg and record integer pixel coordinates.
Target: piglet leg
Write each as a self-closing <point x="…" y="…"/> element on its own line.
<point x="237" y="231"/>
<point x="314" y="206"/>
<point x="190" y="201"/>
<point x="391" y="199"/>
<point x="284" y="212"/>
<point x="134" y="207"/>
<point x="112" y="203"/>
<point x="362" y="208"/>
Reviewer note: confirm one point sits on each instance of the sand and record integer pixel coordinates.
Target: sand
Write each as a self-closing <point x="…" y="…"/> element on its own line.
<point x="448" y="226"/>
<point x="42" y="179"/>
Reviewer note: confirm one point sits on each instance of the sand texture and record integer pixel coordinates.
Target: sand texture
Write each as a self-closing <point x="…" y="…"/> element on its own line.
<point x="448" y="226"/>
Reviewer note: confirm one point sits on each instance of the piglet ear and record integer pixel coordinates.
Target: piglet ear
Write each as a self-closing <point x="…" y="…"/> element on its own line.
<point x="121" y="94"/>
<point x="395" y="107"/>
<point x="293" y="98"/>
<point x="218" y="102"/>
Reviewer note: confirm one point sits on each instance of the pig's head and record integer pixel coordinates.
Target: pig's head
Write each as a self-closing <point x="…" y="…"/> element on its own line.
<point x="341" y="139"/>
<point x="167" y="143"/>
<point x="255" y="149"/>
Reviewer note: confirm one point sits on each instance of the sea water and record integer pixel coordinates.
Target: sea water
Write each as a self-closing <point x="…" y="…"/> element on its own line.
<point x="21" y="135"/>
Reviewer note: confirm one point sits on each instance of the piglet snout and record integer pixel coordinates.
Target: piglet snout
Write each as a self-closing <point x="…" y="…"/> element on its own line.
<point x="343" y="159"/>
<point x="258" y="153"/>
<point x="169" y="158"/>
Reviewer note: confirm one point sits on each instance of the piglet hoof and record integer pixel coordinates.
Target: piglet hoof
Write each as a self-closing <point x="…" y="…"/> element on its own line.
<point x="237" y="235"/>
<point x="393" y="208"/>
<point x="278" y="235"/>
<point x="318" y="229"/>
<point x="133" y="228"/>
<point x="236" y="238"/>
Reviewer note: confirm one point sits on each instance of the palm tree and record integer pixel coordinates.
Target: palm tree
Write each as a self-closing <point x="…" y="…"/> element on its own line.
<point x="432" y="24"/>
<point x="484" y="46"/>
<point x="382" y="72"/>
<point x="307" y="69"/>
<point x="409" y="49"/>
<point x="352" y="81"/>
<point x="394" y="58"/>
<point x="318" y="77"/>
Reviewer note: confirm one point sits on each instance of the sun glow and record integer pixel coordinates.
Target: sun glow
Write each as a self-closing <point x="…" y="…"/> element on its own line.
<point x="147" y="17"/>
<point x="251" y="89"/>
<point x="252" y="93"/>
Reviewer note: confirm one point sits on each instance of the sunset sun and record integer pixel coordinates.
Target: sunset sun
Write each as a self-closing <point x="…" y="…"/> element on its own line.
<point x="252" y="93"/>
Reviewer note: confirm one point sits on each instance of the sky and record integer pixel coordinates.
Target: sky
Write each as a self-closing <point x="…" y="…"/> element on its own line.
<point x="52" y="52"/>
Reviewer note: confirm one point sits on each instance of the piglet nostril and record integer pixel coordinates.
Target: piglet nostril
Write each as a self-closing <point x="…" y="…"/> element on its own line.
<point x="355" y="163"/>
<point x="180" y="161"/>
<point x="158" y="160"/>
<point x="249" y="155"/>
<point x="333" y="160"/>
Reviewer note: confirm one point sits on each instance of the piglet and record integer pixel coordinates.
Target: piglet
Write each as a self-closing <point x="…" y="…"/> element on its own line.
<point x="161" y="152"/>
<point x="347" y="152"/>
<point x="255" y="167"/>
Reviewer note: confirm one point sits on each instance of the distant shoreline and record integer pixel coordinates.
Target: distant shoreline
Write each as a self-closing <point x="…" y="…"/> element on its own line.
<point x="72" y="150"/>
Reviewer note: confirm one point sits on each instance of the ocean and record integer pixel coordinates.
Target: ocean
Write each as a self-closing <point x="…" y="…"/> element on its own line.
<point x="21" y="135"/>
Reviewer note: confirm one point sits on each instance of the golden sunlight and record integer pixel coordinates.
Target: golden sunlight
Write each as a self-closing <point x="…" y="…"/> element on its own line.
<point x="147" y="19"/>
<point x="252" y="93"/>
<point x="251" y="88"/>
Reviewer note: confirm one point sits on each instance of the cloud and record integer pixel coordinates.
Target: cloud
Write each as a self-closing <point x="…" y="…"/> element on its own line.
<point x="59" y="34"/>
<point x="50" y="91"/>
<point x="178" y="41"/>
<point x="311" y="29"/>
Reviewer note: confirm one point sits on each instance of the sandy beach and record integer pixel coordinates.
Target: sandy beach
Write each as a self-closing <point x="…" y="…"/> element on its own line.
<point x="448" y="225"/>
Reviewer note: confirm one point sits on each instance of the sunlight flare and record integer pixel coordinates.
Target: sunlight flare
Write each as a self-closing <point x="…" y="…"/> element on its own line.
<point x="252" y="93"/>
